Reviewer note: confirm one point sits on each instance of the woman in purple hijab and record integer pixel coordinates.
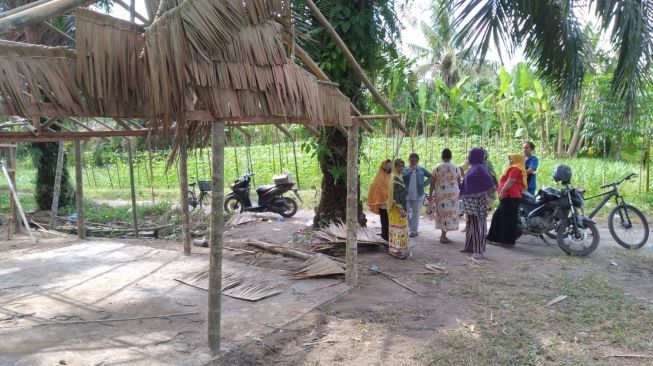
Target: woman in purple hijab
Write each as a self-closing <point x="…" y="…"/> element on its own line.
<point x="477" y="194"/>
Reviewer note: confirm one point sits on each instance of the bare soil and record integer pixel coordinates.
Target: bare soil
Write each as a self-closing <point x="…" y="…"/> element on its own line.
<point x="488" y="312"/>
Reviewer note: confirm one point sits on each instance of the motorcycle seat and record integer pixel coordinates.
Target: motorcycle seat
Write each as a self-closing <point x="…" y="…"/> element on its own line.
<point x="528" y="198"/>
<point x="265" y="188"/>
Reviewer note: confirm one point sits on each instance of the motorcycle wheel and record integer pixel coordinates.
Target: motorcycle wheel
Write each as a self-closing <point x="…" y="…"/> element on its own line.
<point x="233" y="205"/>
<point x="291" y="207"/>
<point x="577" y="244"/>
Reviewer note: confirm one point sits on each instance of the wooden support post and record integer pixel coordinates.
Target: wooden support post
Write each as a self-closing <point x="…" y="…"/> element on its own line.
<point x="352" y="62"/>
<point x="57" y="187"/>
<point x="130" y="156"/>
<point x="15" y="197"/>
<point x="79" y="190"/>
<point x="351" y="275"/>
<point x="217" y="226"/>
<point x="183" y="191"/>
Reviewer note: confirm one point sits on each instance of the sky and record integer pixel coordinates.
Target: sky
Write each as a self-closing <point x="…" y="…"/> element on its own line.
<point x="417" y="12"/>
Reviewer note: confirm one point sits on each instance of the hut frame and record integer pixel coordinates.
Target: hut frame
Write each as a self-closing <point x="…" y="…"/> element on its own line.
<point x="90" y="95"/>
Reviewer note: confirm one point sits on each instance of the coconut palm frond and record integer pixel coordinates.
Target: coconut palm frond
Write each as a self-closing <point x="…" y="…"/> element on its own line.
<point x="632" y="36"/>
<point x="549" y="31"/>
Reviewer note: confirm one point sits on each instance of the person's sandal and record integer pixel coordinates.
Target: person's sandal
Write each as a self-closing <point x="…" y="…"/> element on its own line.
<point x="445" y="241"/>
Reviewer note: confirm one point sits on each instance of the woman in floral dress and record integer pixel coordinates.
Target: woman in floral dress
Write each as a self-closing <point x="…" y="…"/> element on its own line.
<point x="444" y="194"/>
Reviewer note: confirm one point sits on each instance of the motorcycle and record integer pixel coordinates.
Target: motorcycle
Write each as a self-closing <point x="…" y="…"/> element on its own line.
<point x="559" y="210"/>
<point x="270" y="197"/>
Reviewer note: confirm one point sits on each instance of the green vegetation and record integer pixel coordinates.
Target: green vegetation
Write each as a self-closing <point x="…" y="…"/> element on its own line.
<point x="111" y="181"/>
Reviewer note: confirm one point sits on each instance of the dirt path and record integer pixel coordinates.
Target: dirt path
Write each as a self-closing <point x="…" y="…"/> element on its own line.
<point x="492" y="312"/>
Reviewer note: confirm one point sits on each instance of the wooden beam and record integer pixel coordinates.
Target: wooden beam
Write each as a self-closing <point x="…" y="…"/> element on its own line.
<point x="59" y="32"/>
<point x="65" y="135"/>
<point x="122" y="123"/>
<point x="284" y="131"/>
<point x="244" y="132"/>
<point x="352" y="62"/>
<point x="217" y="227"/>
<point x="374" y="116"/>
<point x="37" y="14"/>
<point x="48" y="122"/>
<point x="351" y="274"/>
<point x="105" y="125"/>
<point x="314" y="131"/>
<point x="79" y="190"/>
<point x="22" y="7"/>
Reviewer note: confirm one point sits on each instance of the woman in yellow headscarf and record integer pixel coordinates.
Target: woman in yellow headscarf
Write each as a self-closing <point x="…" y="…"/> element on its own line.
<point x="377" y="197"/>
<point x="503" y="229"/>
<point x="397" y="216"/>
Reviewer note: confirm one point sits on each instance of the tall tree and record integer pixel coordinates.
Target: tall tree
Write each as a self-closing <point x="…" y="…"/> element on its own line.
<point x="552" y="38"/>
<point x="369" y="28"/>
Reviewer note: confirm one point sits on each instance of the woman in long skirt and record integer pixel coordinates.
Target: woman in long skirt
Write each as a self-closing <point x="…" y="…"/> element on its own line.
<point x="444" y="194"/>
<point x="397" y="216"/>
<point x="477" y="195"/>
<point x="503" y="229"/>
<point x="377" y="197"/>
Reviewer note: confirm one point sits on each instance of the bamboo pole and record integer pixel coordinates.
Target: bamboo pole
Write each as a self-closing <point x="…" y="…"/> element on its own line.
<point x="22" y="7"/>
<point x="37" y="14"/>
<point x="217" y="227"/>
<point x="183" y="191"/>
<point x="57" y="186"/>
<point x="353" y="63"/>
<point x="15" y="196"/>
<point x="132" y="187"/>
<point x="13" y="207"/>
<point x="351" y="276"/>
<point x="79" y="190"/>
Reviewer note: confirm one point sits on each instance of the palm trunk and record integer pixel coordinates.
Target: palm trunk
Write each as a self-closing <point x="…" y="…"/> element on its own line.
<point x="561" y="135"/>
<point x="572" y="151"/>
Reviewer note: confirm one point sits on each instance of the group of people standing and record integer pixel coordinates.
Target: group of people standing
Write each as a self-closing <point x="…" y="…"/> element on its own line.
<point x="468" y="190"/>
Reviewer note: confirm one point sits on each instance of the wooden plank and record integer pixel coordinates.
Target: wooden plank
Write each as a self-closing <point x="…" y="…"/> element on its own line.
<point x="79" y="190"/>
<point x="351" y="275"/>
<point x="217" y="228"/>
<point x="284" y="131"/>
<point x="15" y="196"/>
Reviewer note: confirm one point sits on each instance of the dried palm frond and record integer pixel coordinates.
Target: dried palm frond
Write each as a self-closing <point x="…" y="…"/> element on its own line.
<point x="318" y="266"/>
<point x="241" y="218"/>
<point x="337" y="232"/>
<point x="252" y="290"/>
<point x="113" y="78"/>
<point x="32" y="73"/>
<point x="201" y="280"/>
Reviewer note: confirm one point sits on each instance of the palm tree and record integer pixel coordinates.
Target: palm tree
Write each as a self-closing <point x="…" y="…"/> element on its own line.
<point x="551" y="34"/>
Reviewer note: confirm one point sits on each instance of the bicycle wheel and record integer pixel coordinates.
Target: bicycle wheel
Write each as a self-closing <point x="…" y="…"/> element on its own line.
<point x="628" y="226"/>
<point x="192" y="201"/>
<point x="205" y="199"/>
<point x="580" y="242"/>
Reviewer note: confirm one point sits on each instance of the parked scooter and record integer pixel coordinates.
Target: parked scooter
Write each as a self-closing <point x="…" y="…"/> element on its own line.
<point x="270" y="197"/>
<point x="559" y="210"/>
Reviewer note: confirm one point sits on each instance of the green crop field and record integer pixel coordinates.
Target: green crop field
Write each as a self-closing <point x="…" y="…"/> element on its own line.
<point x="111" y="180"/>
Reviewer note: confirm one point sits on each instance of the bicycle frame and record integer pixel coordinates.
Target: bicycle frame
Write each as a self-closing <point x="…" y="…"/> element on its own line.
<point x="614" y="192"/>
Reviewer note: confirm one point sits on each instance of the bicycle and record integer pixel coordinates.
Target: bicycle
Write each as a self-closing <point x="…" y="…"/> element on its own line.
<point x="625" y="214"/>
<point x="205" y="193"/>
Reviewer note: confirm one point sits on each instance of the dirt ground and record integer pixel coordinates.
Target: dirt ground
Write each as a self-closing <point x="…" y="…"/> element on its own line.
<point x="491" y="312"/>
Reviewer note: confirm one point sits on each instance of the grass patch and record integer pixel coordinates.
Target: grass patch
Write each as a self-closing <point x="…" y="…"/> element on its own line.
<point x="512" y="325"/>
